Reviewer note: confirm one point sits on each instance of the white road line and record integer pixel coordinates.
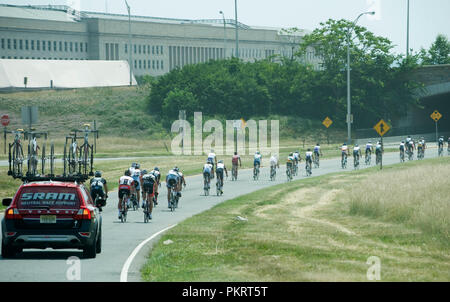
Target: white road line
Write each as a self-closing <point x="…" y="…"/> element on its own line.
<point x="126" y="266"/>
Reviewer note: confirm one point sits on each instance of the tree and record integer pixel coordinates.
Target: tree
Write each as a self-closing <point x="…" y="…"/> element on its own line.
<point x="439" y="52"/>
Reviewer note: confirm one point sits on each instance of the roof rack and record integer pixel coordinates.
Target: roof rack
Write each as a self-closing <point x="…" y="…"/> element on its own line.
<point x="80" y="178"/>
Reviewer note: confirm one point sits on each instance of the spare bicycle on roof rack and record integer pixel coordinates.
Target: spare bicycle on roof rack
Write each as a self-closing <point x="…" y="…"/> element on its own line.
<point x="78" y="161"/>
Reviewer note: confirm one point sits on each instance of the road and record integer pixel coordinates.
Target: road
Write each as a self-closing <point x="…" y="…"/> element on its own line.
<point x="121" y="239"/>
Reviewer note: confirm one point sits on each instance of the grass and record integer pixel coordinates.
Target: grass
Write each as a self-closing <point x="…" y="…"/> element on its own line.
<point x="318" y="229"/>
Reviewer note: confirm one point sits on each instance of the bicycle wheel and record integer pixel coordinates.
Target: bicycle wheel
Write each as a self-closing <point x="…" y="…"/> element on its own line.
<point x="146" y="212"/>
<point x="17" y="159"/>
<point x="72" y="161"/>
<point x="43" y="159"/>
<point x="52" y="160"/>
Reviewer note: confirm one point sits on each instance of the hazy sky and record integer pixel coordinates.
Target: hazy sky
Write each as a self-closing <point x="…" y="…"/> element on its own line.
<point x="428" y="18"/>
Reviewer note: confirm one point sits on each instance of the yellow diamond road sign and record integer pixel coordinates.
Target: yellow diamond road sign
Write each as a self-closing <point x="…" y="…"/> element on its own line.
<point x="382" y="128"/>
<point x="327" y="122"/>
<point x="436" y="115"/>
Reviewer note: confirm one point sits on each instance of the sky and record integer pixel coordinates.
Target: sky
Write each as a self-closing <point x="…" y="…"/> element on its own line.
<point x="428" y="18"/>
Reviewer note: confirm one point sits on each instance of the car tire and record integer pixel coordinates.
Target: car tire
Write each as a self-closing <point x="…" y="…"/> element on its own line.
<point x="90" y="250"/>
<point x="98" y="246"/>
<point x="8" y="251"/>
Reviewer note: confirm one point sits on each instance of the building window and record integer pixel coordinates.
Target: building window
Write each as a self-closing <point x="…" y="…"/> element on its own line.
<point x="43" y="45"/>
<point x="157" y="64"/>
<point x="32" y="44"/>
<point x="54" y="46"/>
<point x="153" y="50"/>
<point x="26" y="44"/>
<point x="162" y="49"/>
<point x="85" y="47"/>
<point x="9" y="43"/>
<point x="148" y="49"/>
<point x="126" y="48"/>
<point x="134" y="48"/>
<point x="76" y="46"/>
<point x="140" y="64"/>
<point x="3" y="43"/>
<point x="143" y="49"/>
<point x="162" y="65"/>
<point x="157" y="50"/>
<point x="71" y="46"/>
<point x="140" y="49"/>
<point x="153" y="64"/>
<point x="107" y="51"/>
<point x="135" y="64"/>
<point x="60" y="46"/>
<point x="15" y="43"/>
<point x="65" y="47"/>
<point x="148" y="64"/>
<point x="20" y="44"/>
<point x="38" y="45"/>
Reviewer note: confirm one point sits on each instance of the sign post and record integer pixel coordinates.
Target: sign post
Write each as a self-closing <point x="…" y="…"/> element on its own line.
<point x="436" y="116"/>
<point x="382" y="127"/>
<point x="327" y="123"/>
<point x="5" y="122"/>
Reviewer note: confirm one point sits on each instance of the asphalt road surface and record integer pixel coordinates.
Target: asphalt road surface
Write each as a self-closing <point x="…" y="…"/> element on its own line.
<point x="125" y="246"/>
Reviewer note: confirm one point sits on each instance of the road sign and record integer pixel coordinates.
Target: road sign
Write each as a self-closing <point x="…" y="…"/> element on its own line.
<point x="29" y="115"/>
<point x="381" y="128"/>
<point x="5" y="120"/>
<point x="327" y="122"/>
<point x="436" y="115"/>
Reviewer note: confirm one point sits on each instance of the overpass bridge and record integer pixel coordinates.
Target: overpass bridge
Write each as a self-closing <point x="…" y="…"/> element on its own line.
<point x="435" y="95"/>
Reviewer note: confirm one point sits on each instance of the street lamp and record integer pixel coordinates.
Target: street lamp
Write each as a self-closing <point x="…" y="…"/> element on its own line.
<point x="224" y="36"/>
<point x="129" y="42"/>
<point x="349" y="125"/>
<point x="236" y="23"/>
<point x="407" y="31"/>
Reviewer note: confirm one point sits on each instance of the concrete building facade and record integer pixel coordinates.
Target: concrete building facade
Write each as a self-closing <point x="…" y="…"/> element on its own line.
<point x="157" y="46"/>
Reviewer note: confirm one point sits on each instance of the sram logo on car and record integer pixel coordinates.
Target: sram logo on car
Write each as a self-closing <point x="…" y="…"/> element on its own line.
<point x="47" y="196"/>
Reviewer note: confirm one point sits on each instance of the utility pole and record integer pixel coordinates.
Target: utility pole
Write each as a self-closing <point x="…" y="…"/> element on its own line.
<point x="407" y="30"/>
<point x="129" y="42"/>
<point x="236" y="23"/>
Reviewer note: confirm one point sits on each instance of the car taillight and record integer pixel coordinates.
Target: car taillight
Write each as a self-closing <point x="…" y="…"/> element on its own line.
<point x="13" y="213"/>
<point x="83" y="214"/>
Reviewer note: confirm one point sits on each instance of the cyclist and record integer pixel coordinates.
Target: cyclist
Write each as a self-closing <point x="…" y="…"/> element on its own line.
<point x="207" y="170"/>
<point x="411" y="146"/>
<point x="344" y="152"/>
<point x="274" y="163"/>
<point x="136" y="175"/>
<point x="133" y="166"/>
<point x="441" y="143"/>
<point x="402" y="149"/>
<point x="126" y="186"/>
<point x="157" y="175"/>
<point x="213" y="160"/>
<point x="290" y="163"/>
<point x="256" y="161"/>
<point x="297" y="157"/>
<point x="181" y="181"/>
<point x="424" y="146"/>
<point x="356" y="153"/>
<point x="220" y="168"/>
<point x="97" y="185"/>
<point x="317" y="151"/>
<point x="308" y="159"/>
<point x="149" y="185"/>
<point x="420" y="148"/>
<point x="234" y="161"/>
<point x="378" y="150"/>
<point x="369" y="148"/>
<point x="171" y="181"/>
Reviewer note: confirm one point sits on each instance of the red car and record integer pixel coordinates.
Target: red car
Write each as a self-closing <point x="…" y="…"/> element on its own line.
<point x="51" y="214"/>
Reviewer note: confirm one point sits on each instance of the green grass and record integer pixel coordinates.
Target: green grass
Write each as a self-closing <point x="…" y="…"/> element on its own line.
<point x="309" y="230"/>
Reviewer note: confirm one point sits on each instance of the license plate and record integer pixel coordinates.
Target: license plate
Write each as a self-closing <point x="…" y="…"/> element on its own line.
<point x="48" y="218"/>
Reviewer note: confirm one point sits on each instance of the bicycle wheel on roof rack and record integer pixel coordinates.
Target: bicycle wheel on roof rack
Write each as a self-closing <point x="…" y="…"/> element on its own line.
<point x="65" y="160"/>
<point x="43" y="159"/>
<point x="52" y="160"/>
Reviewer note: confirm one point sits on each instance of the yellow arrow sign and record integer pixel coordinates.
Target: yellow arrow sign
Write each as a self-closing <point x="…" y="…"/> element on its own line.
<point x="381" y="127"/>
<point x="436" y="115"/>
<point x="327" y="122"/>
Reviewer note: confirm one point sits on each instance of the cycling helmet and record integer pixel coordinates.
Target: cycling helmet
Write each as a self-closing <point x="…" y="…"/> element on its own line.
<point x="345" y="144"/>
<point x="297" y="151"/>
<point x="138" y="166"/>
<point x="318" y="144"/>
<point x="221" y="161"/>
<point x="370" y="142"/>
<point x="356" y="145"/>
<point x="257" y="152"/>
<point x="176" y="169"/>
<point x="290" y="154"/>
<point x="309" y="149"/>
<point x="403" y="142"/>
<point x="98" y="174"/>
<point x="127" y="172"/>
<point x="133" y="165"/>
<point x="144" y="172"/>
<point x="156" y="169"/>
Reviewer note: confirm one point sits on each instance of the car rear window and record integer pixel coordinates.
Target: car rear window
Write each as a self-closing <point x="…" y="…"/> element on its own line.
<point x="52" y="197"/>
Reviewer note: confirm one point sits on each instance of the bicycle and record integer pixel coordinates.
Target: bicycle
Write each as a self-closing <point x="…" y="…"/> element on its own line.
<point x="100" y="202"/>
<point x="219" y="186"/>
<point x="316" y="161"/>
<point x="256" y="172"/>
<point x="410" y="155"/>
<point x="308" y="168"/>
<point x="356" y="162"/>
<point x="402" y="156"/>
<point x="16" y="156"/>
<point x="368" y="159"/>
<point x="420" y="154"/>
<point x="86" y="152"/>
<point x="295" y="167"/>
<point x="147" y="209"/>
<point x="378" y="158"/>
<point x="124" y="210"/>
<point x="440" y="151"/>
<point x="273" y="173"/>
<point x="344" y="161"/>
<point x="173" y="203"/>
<point x="289" y="172"/>
<point x="234" y="172"/>
<point x="206" y="184"/>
